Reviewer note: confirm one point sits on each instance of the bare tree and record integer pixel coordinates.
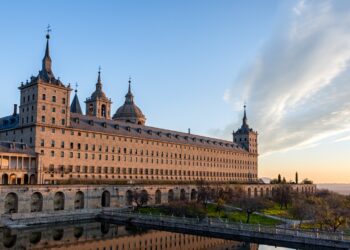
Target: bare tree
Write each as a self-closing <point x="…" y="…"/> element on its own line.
<point x="251" y="205"/>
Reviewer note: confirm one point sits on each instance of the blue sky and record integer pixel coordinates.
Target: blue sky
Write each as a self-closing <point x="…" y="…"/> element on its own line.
<point x="194" y="63"/>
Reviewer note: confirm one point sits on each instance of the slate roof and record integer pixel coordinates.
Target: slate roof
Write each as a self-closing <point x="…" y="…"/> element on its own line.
<point x="91" y="123"/>
<point x="16" y="147"/>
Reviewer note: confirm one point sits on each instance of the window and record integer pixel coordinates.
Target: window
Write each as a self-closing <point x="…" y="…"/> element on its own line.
<point x="43" y="119"/>
<point x="52" y="153"/>
<point x="53" y="143"/>
<point x="53" y="98"/>
<point x="42" y="143"/>
<point x="53" y="109"/>
<point x="63" y="100"/>
<point x="53" y="120"/>
<point x="44" y="97"/>
<point x="63" y="121"/>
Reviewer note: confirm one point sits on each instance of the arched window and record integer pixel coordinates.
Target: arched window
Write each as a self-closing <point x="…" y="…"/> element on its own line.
<point x="11" y="203"/>
<point x="103" y="110"/>
<point x="36" y="202"/>
<point x="58" y="201"/>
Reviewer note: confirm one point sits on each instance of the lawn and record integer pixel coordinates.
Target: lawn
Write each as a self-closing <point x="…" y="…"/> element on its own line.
<point x="211" y="211"/>
<point x="277" y="211"/>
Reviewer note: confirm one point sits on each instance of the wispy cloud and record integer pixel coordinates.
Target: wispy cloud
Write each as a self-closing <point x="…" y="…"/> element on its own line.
<point x="298" y="87"/>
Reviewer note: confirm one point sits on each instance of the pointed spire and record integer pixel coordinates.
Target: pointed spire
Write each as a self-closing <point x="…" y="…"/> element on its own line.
<point x="75" y="106"/>
<point x="99" y="83"/>
<point x="245" y="125"/>
<point x="47" y="59"/>
<point x="129" y="97"/>
<point x="245" y="114"/>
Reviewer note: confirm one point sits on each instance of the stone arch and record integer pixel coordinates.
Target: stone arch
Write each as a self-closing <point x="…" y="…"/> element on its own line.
<point x="5" y="179"/>
<point x="36" y="202"/>
<point x="171" y="196"/>
<point x="144" y="194"/>
<point x="249" y="192"/>
<point x="105" y="227"/>
<point x="267" y="192"/>
<point x="9" y="240"/>
<point x="11" y="203"/>
<point x="13" y="179"/>
<point x="255" y="192"/>
<point x="78" y="232"/>
<point x="261" y="192"/>
<point x="158" y="197"/>
<point x="193" y="194"/>
<point x="34" y="237"/>
<point x="182" y="194"/>
<point x="106" y="199"/>
<point x="57" y="234"/>
<point x="25" y="179"/>
<point x="32" y="179"/>
<point x="128" y="197"/>
<point x="79" y="200"/>
<point x="58" y="201"/>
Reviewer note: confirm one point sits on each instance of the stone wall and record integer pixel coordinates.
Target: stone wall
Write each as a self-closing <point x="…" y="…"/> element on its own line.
<point x="49" y="198"/>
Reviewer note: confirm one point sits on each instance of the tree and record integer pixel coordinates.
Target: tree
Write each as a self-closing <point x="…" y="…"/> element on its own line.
<point x="296" y="178"/>
<point x="140" y="198"/>
<point x="283" y="195"/>
<point x="339" y="211"/>
<point x="251" y="205"/>
<point x="220" y="205"/>
<point x="279" y="180"/>
<point x="303" y="208"/>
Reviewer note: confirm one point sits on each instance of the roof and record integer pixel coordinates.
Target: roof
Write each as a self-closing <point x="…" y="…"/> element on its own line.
<point x="16" y="147"/>
<point x="75" y="106"/>
<point x="120" y="128"/>
<point x="8" y="122"/>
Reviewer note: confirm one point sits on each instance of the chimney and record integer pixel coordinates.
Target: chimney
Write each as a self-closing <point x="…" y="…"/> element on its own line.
<point x="15" y="109"/>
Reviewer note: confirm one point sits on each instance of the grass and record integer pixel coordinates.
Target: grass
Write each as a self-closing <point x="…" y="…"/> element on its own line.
<point x="211" y="212"/>
<point x="277" y="211"/>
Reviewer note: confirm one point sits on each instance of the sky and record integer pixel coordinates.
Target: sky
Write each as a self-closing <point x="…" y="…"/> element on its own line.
<point x="194" y="64"/>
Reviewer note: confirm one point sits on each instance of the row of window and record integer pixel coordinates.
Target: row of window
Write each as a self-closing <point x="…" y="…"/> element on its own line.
<point x="141" y="141"/>
<point x="143" y="171"/>
<point x="53" y="98"/>
<point x="152" y="153"/>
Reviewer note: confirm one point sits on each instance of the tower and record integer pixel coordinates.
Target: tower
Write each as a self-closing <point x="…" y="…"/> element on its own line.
<point x="129" y="112"/>
<point x="44" y="99"/>
<point x="98" y="104"/>
<point x="245" y="136"/>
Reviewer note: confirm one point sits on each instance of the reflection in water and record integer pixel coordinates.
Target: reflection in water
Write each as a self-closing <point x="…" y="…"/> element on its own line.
<point x="105" y="236"/>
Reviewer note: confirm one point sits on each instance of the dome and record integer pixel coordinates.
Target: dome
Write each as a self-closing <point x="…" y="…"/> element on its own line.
<point x="129" y="112"/>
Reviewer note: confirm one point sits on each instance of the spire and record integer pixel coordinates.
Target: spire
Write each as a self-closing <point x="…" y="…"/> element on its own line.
<point x="46" y="70"/>
<point x="245" y="126"/>
<point x="47" y="59"/>
<point x="99" y="83"/>
<point x="129" y="97"/>
<point x="75" y="106"/>
<point x="245" y="115"/>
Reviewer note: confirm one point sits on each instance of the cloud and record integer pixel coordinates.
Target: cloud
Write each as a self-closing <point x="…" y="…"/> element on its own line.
<point x="298" y="86"/>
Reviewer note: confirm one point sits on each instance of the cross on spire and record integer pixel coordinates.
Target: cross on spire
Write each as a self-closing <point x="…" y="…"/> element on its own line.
<point x="48" y="30"/>
<point x="76" y="87"/>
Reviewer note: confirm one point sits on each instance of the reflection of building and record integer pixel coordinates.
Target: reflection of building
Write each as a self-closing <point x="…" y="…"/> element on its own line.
<point x="100" y="148"/>
<point x="18" y="163"/>
<point x="98" y="235"/>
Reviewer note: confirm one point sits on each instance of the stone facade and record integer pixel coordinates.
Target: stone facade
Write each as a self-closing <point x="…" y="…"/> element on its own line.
<point x="94" y="148"/>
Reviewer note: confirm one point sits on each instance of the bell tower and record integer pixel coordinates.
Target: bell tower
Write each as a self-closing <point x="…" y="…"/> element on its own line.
<point x="44" y="99"/>
<point x="245" y="136"/>
<point x="98" y="104"/>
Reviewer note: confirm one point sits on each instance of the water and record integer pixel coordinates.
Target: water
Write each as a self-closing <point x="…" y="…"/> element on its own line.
<point x="105" y="236"/>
